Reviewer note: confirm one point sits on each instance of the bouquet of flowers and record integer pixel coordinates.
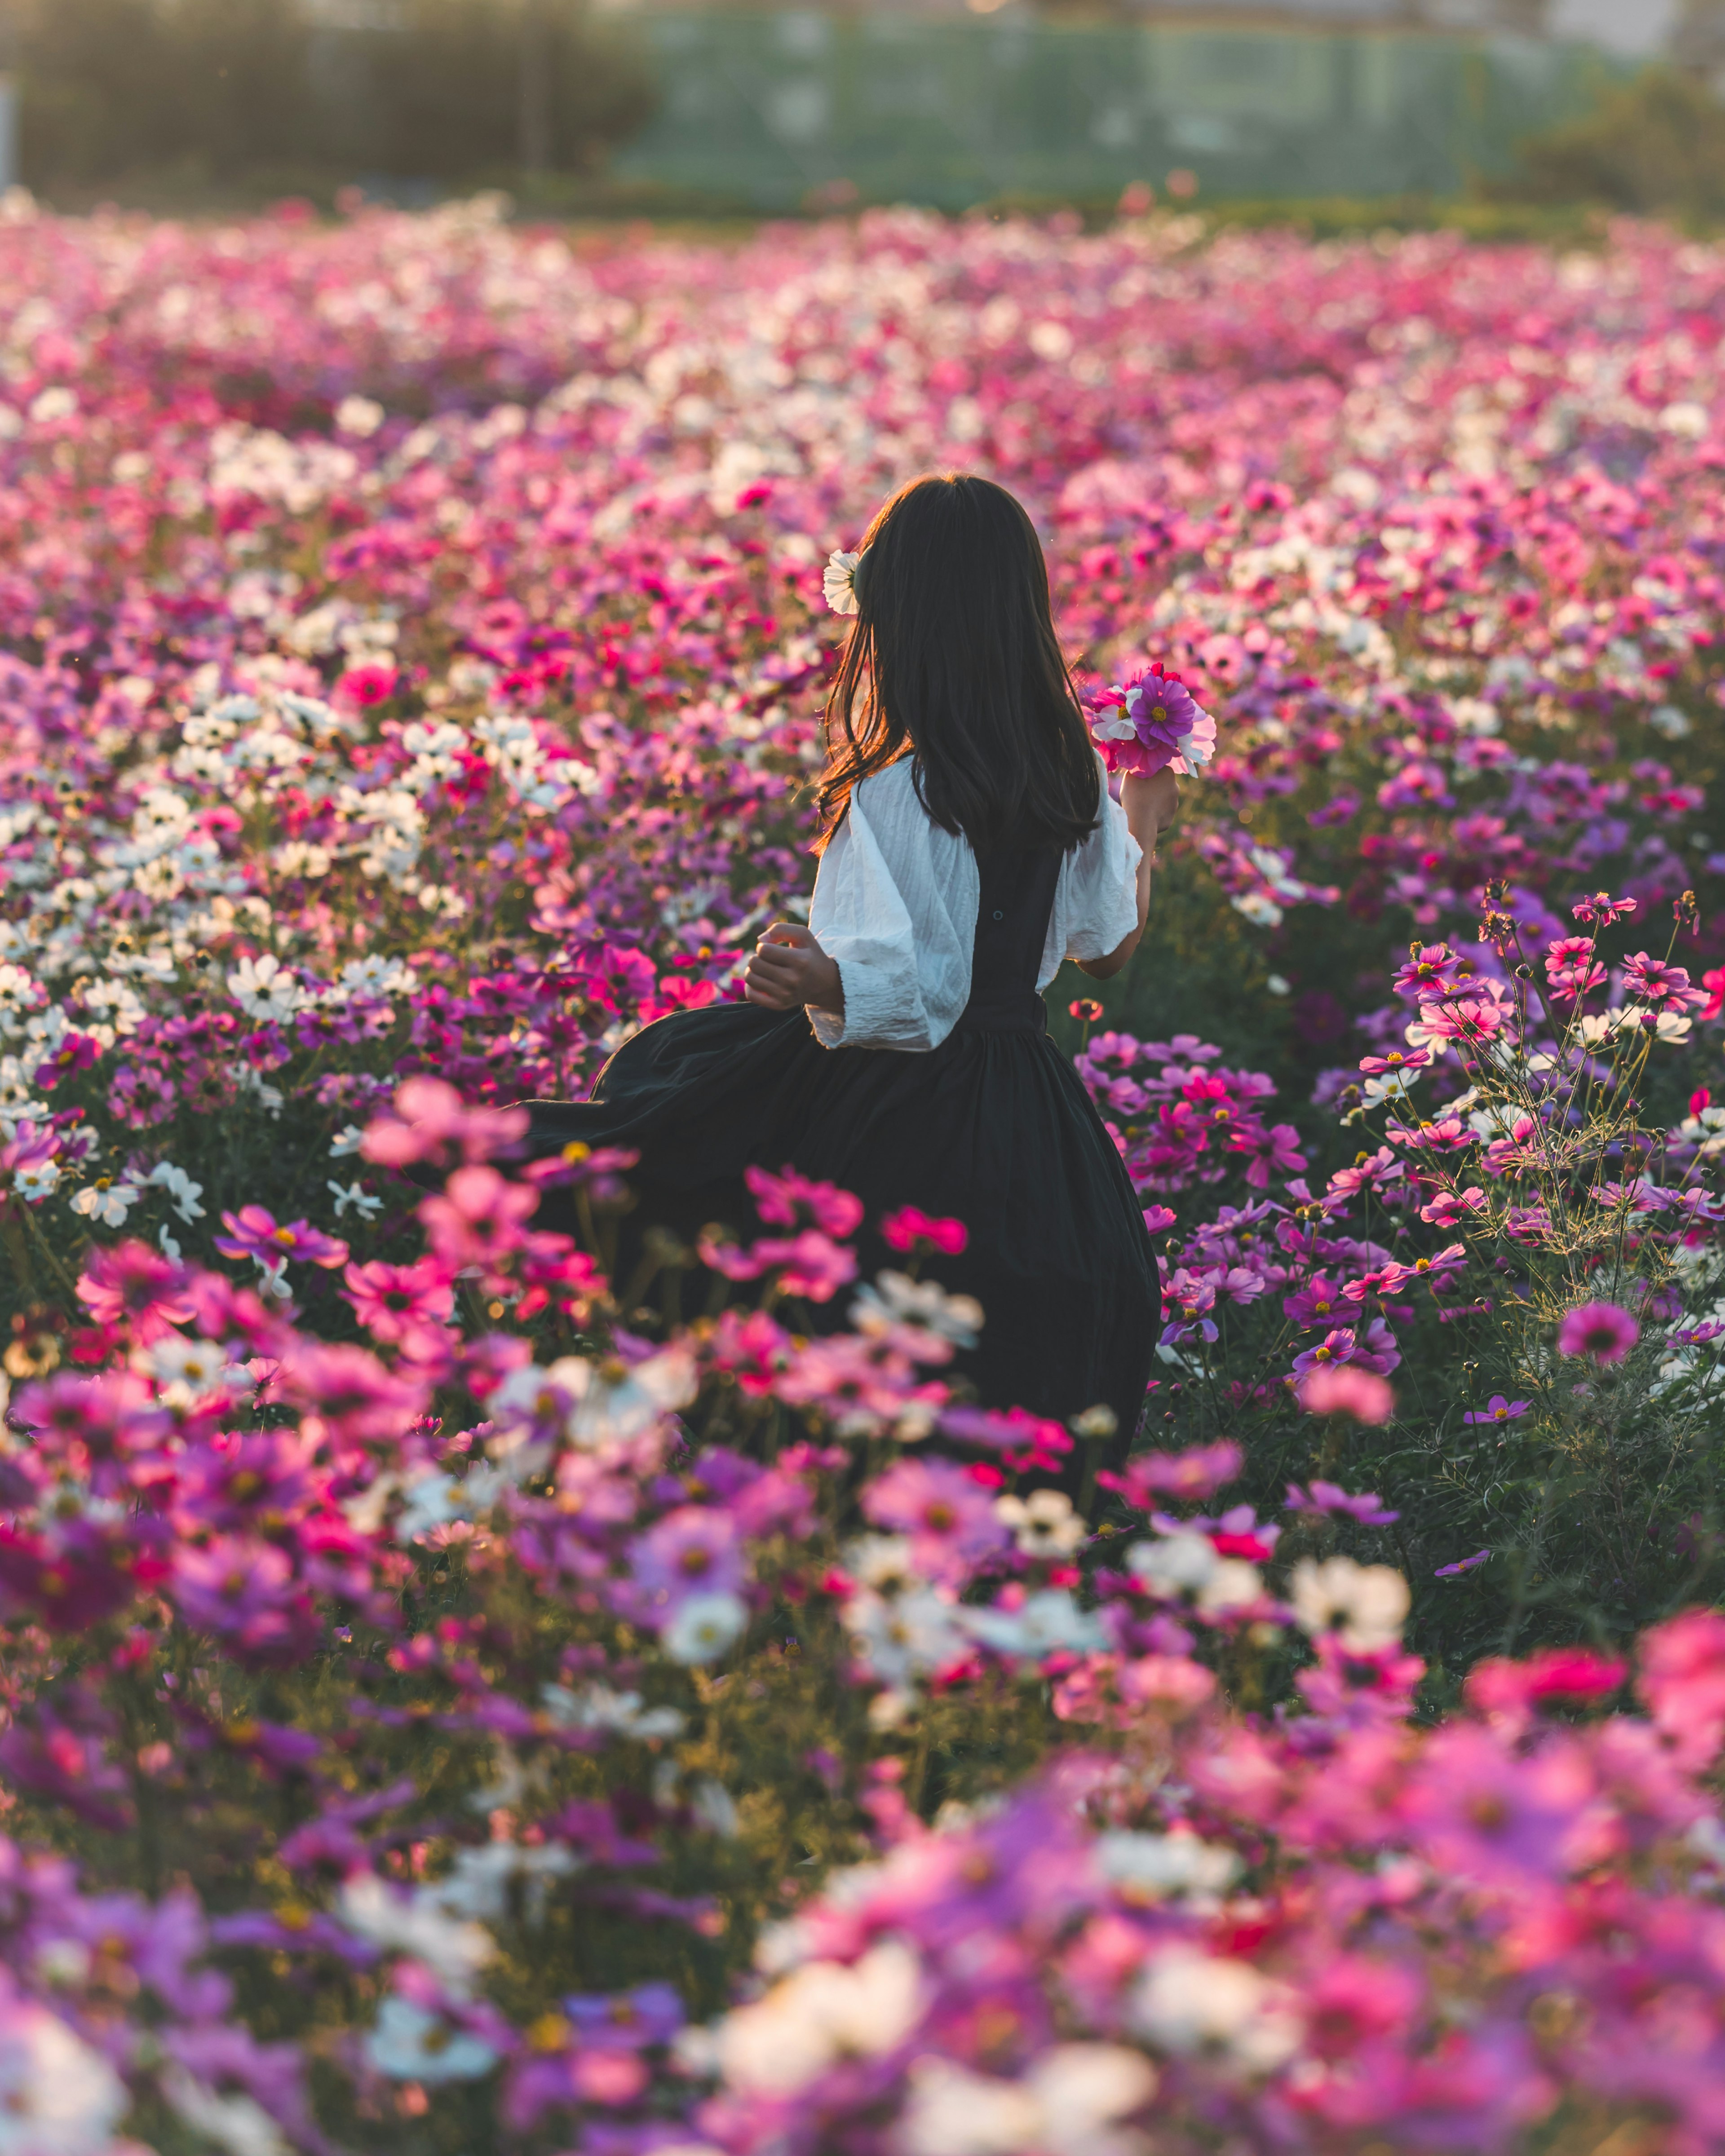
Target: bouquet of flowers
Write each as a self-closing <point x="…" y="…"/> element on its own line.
<point x="1148" y="721"/>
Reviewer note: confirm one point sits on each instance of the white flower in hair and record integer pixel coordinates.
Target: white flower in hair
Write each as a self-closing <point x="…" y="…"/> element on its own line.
<point x="839" y="582"/>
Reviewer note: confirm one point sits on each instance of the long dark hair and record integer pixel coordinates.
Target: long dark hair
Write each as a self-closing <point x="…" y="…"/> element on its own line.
<point x="952" y="655"/>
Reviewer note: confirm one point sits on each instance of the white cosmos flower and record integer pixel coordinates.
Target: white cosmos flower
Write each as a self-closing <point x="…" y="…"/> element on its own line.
<point x="909" y="1636"/>
<point x="237" y="2123"/>
<point x="264" y="989"/>
<point x="1044" y="1523"/>
<point x="351" y="1195"/>
<point x="703" y="1626"/>
<point x="186" y="1370"/>
<point x="58" y="2096"/>
<point x="409" y="2045"/>
<point x="1191" y="2001"/>
<point x="182" y="1191"/>
<point x="595" y="1707"/>
<point x="823" y="2012"/>
<point x="1173" y="1564"/>
<point x="414" y="1924"/>
<point x="107" y="1203"/>
<point x="1045" y="1624"/>
<point x="1150" y="1866"/>
<point x="882" y="1562"/>
<point x="838" y="582"/>
<point x="609" y="1403"/>
<point x="895" y="1299"/>
<point x="1065" y="2106"/>
<point x="1368" y="1604"/>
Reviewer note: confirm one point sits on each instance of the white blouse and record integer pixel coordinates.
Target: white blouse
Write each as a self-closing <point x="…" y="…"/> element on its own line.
<point x="896" y="905"/>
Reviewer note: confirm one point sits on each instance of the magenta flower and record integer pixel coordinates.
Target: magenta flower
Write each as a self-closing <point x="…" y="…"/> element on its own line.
<point x="1601" y="1329"/>
<point x="1497" y="1409"/>
<point x="908" y="1230"/>
<point x="782" y="1200"/>
<point x="948" y="1517"/>
<point x="254" y="1233"/>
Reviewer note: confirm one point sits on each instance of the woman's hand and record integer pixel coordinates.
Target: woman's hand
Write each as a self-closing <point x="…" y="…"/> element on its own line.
<point x="1155" y="801"/>
<point x="789" y="968"/>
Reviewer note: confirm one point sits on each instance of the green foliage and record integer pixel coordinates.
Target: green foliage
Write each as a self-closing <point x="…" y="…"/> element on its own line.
<point x="1656" y="144"/>
<point x="215" y="88"/>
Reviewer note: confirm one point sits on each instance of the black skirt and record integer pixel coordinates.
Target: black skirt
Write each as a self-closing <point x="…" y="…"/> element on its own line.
<point x="993" y="1127"/>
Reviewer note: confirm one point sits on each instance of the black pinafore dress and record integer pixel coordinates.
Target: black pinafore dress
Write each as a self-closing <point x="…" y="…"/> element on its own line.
<point x="993" y="1127"/>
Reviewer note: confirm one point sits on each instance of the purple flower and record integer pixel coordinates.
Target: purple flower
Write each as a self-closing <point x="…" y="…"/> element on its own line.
<point x="1601" y="1329"/>
<point x="1368" y="1508"/>
<point x="1497" y="1409"/>
<point x="691" y="1551"/>
<point x="1464" y="1564"/>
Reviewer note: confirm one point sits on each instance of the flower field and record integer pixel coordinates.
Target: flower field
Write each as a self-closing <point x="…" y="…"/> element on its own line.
<point x="457" y="1698"/>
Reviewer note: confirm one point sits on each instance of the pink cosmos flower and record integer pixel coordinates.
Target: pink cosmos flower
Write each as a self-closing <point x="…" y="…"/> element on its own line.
<point x="1191" y="1476"/>
<point x="131" y="1284"/>
<point x="478" y="1219"/>
<point x="74" y="1052"/>
<point x="1451" y="1207"/>
<point x="431" y="1118"/>
<point x="1714" y="984"/>
<point x="1571" y="968"/>
<point x="1432" y="970"/>
<point x="1601" y="910"/>
<point x="948" y="1517"/>
<point x="1602" y="1330"/>
<point x="1467" y="1018"/>
<point x="395" y="1301"/>
<point x="1659" y="984"/>
<point x="1345" y="1389"/>
<point x="254" y="1233"/>
<point x="780" y="1198"/>
<point x="1497" y="1409"/>
<point x="1682" y="1679"/>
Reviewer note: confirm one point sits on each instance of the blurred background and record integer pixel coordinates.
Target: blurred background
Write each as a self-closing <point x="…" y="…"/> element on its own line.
<point x="1504" y="107"/>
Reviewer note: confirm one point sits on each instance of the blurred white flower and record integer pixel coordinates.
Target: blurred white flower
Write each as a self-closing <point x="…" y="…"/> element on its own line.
<point x="409" y="2045"/>
<point x="1190" y="2001"/>
<point x="237" y="2123"/>
<point x="895" y="1299"/>
<point x="58" y="2096"/>
<point x="349" y="1197"/>
<point x="823" y="2012"/>
<point x="703" y="1627"/>
<point x="414" y="1924"/>
<point x="1068" y="2104"/>
<point x="909" y="1635"/>
<point x="1173" y="1564"/>
<point x="1368" y="1604"/>
<point x="597" y="1707"/>
<point x="1149" y="1865"/>
<point x="1044" y="1524"/>
<point x="1045" y="1624"/>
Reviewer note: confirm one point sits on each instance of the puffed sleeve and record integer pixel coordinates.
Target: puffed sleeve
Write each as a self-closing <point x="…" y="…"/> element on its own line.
<point x="1095" y="905"/>
<point x="889" y="906"/>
